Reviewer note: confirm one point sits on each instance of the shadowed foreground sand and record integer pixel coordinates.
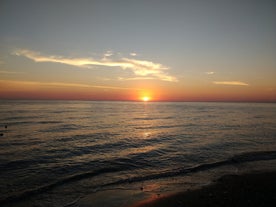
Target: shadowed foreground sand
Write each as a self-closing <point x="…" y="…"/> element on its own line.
<point x="231" y="190"/>
<point x="250" y="190"/>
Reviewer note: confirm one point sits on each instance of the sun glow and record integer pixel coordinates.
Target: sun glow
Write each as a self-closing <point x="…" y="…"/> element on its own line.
<point x="146" y="98"/>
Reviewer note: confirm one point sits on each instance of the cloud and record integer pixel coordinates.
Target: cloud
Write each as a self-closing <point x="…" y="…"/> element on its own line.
<point x="210" y="73"/>
<point x="9" y="72"/>
<point x="133" y="54"/>
<point x="142" y="68"/>
<point x="234" y="83"/>
<point x="108" y="53"/>
<point x="60" y="84"/>
<point x="135" y="78"/>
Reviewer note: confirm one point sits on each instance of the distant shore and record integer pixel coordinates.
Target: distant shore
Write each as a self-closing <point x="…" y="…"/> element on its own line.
<point x="257" y="189"/>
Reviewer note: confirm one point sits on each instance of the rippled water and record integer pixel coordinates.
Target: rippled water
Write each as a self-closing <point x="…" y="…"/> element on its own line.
<point x="49" y="144"/>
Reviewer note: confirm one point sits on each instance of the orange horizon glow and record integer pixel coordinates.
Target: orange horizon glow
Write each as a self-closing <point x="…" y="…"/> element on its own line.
<point x="41" y="91"/>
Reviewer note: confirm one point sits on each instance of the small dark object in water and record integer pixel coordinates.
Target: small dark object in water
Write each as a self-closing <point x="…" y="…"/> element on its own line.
<point x="141" y="188"/>
<point x="1" y="134"/>
<point x="6" y="126"/>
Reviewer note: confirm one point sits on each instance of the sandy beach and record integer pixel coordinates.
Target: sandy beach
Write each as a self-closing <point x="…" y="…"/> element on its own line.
<point x="256" y="189"/>
<point x="230" y="190"/>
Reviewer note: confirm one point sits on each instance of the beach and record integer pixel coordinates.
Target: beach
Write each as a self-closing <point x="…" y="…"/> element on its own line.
<point x="147" y="103"/>
<point x="251" y="189"/>
<point x="230" y="190"/>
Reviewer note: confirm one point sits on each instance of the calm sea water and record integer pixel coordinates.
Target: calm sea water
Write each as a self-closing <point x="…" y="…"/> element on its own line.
<point x="74" y="147"/>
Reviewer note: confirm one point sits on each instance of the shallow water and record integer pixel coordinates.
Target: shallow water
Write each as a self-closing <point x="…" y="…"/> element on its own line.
<point x="85" y="146"/>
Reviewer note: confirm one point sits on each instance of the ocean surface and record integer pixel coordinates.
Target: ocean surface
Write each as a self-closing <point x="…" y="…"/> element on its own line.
<point x="58" y="151"/>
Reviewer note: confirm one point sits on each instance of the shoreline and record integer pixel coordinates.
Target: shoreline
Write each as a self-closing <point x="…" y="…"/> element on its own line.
<point x="248" y="184"/>
<point x="250" y="189"/>
<point x="255" y="188"/>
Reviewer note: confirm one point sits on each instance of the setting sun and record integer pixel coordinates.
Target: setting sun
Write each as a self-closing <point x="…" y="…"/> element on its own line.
<point x="145" y="98"/>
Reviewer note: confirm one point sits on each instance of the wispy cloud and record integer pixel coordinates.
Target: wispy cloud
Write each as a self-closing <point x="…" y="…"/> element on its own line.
<point x="133" y="54"/>
<point x="60" y="84"/>
<point x="9" y="72"/>
<point x="135" y="78"/>
<point x="138" y="67"/>
<point x="108" y="53"/>
<point x="234" y="83"/>
<point x="210" y="73"/>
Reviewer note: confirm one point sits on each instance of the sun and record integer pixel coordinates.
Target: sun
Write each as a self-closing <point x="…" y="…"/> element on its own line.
<point x="146" y="98"/>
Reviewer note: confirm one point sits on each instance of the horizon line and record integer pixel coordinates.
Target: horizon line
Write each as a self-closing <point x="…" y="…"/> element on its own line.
<point x="152" y="101"/>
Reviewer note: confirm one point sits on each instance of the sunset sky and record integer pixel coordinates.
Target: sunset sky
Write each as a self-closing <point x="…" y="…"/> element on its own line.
<point x="174" y="50"/>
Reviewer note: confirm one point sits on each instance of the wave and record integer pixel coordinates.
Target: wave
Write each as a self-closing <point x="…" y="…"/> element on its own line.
<point x="153" y="118"/>
<point x="163" y="126"/>
<point x="237" y="159"/>
<point x="28" y="193"/>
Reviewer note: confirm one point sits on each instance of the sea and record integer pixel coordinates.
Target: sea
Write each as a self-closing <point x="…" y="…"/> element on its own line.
<point x="53" y="153"/>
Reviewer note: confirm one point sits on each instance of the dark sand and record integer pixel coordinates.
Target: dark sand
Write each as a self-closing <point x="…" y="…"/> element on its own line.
<point x="231" y="190"/>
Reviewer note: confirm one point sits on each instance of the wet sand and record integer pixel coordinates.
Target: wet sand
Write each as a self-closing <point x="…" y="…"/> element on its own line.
<point x="230" y="190"/>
